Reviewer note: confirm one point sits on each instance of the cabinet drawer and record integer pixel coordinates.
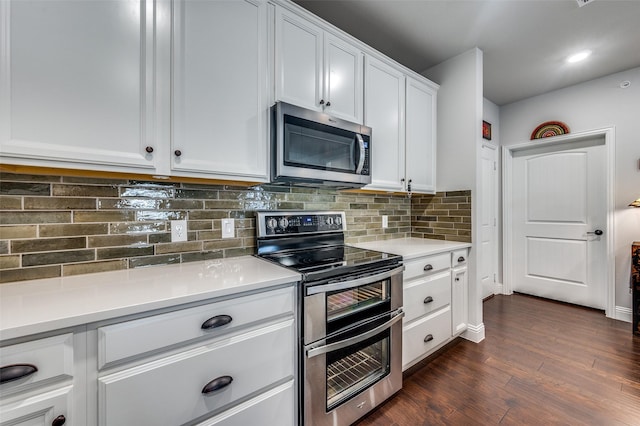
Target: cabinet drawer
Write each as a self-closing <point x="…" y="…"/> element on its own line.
<point x="426" y="265"/>
<point x="41" y="409"/>
<point x="275" y="405"/>
<point x="459" y="258"/>
<point x="52" y="357"/>
<point x="169" y="391"/>
<point x="437" y="326"/>
<point x="426" y="295"/>
<point x="120" y="341"/>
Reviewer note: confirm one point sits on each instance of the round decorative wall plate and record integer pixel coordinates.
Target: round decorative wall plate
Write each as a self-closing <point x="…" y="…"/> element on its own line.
<point x="550" y="128"/>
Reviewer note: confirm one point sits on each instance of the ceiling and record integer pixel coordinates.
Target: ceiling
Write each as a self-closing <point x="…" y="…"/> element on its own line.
<point x="525" y="42"/>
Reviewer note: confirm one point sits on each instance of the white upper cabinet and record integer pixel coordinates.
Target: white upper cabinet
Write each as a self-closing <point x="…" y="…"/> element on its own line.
<point x="76" y="80"/>
<point x="401" y="111"/>
<point x="420" y="137"/>
<point x="220" y="89"/>
<point x="384" y="113"/>
<point x="317" y="70"/>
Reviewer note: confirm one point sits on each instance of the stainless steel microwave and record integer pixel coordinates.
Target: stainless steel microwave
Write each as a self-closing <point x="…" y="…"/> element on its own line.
<point x="314" y="149"/>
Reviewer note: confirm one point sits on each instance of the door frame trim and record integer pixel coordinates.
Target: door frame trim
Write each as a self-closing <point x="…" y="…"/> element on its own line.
<point x="507" y="220"/>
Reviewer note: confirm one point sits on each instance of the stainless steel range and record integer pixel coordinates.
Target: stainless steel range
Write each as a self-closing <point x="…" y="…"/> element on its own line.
<point x="351" y="310"/>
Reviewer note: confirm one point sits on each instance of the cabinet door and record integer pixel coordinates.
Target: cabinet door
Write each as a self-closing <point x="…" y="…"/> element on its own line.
<point x="220" y="107"/>
<point x="384" y="113"/>
<point x="459" y="301"/>
<point x="343" y="79"/>
<point x="38" y="409"/>
<point x="77" y="84"/>
<point x="421" y="137"/>
<point x="298" y="61"/>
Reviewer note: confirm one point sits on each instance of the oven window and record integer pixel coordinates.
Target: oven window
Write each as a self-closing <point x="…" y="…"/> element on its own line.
<point x="356" y="368"/>
<point x="344" y="303"/>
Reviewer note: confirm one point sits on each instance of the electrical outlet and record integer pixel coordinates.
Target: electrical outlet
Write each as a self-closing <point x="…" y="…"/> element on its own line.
<point x="228" y="228"/>
<point x="178" y="230"/>
<point x="385" y="221"/>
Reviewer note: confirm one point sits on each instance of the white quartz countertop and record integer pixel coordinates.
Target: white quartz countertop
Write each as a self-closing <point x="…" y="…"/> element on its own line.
<point x="37" y="306"/>
<point x="410" y="248"/>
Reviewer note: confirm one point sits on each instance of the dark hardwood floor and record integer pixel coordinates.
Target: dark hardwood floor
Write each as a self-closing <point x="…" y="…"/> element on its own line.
<point x="541" y="363"/>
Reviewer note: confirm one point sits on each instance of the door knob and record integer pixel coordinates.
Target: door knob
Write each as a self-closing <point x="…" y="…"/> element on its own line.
<point x="596" y="232"/>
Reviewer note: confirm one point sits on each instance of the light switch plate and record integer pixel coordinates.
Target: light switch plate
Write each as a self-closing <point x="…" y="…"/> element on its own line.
<point x="178" y="230"/>
<point x="228" y="228"/>
<point x="385" y="221"/>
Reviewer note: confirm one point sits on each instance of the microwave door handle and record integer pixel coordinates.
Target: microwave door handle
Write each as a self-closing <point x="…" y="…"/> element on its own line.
<point x="348" y="342"/>
<point x="362" y="153"/>
<point x="344" y="285"/>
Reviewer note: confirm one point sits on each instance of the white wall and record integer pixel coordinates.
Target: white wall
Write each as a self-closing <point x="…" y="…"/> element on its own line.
<point x="593" y="105"/>
<point x="459" y="102"/>
<point x="459" y="140"/>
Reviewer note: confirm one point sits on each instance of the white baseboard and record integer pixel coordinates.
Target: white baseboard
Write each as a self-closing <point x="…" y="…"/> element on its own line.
<point x="623" y="314"/>
<point x="474" y="333"/>
<point x="498" y="288"/>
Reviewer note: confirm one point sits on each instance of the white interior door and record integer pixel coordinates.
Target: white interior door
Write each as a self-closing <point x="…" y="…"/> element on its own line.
<point x="489" y="212"/>
<point x="559" y="204"/>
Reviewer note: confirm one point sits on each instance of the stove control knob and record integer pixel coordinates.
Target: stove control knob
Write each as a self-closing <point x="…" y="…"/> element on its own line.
<point x="329" y="221"/>
<point x="272" y="223"/>
<point x="338" y="220"/>
<point x="284" y="223"/>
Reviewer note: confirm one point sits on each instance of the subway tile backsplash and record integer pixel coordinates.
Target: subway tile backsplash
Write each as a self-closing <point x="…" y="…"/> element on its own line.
<point x="53" y="226"/>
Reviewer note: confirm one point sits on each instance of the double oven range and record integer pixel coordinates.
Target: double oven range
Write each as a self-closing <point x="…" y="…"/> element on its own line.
<point x="350" y="305"/>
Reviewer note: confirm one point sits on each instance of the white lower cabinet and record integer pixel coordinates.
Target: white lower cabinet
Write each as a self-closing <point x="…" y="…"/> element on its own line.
<point x="435" y="300"/>
<point x="48" y="408"/>
<point x="173" y="390"/>
<point x="425" y="334"/>
<point x="227" y="362"/>
<point x="273" y="407"/>
<point x="38" y="382"/>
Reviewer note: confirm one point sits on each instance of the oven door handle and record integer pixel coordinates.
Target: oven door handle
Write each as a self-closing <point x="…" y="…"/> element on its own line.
<point x="348" y="342"/>
<point x="343" y="285"/>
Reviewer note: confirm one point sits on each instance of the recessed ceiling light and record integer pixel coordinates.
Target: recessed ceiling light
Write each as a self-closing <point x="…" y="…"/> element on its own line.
<point x="580" y="56"/>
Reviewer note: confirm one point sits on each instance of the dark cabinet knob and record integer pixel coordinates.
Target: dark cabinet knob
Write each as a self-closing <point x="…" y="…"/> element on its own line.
<point x="461" y="259"/>
<point x="217" y="321"/>
<point x="177" y="152"/>
<point x="216" y="384"/>
<point x="149" y="149"/>
<point x="428" y="338"/>
<point x="428" y="299"/>
<point x="457" y="279"/>
<point x="13" y="372"/>
<point x="59" y="421"/>
<point x="428" y="267"/>
<point x="328" y="103"/>
<point x="321" y="101"/>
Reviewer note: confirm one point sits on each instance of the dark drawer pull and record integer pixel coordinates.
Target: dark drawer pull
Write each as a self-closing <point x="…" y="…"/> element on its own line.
<point x="149" y="149"/>
<point x="217" y="383"/>
<point x="217" y="321"/>
<point x="59" y="421"/>
<point x="428" y="338"/>
<point x="428" y="299"/>
<point x="461" y="259"/>
<point x="428" y="267"/>
<point x="16" y="372"/>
